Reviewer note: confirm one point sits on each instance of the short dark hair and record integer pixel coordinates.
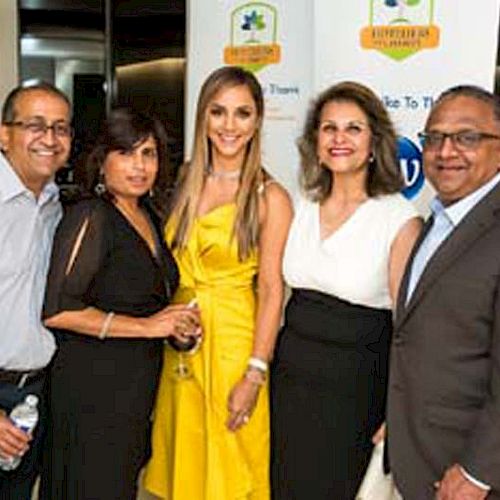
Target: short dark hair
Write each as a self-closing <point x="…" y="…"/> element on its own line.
<point x="384" y="173"/>
<point x="123" y="130"/>
<point x="472" y="91"/>
<point x="9" y="105"/>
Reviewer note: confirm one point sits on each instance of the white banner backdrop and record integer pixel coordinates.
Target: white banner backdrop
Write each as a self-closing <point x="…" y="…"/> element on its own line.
<point x="274" y="39"/>
<point x="407" y="51"/>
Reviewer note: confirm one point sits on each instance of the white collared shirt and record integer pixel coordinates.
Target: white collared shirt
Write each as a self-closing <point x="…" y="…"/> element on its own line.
<point x="27" y="227"/>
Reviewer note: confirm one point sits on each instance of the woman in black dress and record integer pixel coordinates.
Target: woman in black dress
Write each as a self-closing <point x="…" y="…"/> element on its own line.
<point x="109" y="286"/>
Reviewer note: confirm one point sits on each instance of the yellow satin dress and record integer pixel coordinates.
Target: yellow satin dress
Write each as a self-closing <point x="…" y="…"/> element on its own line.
<point x="195" y="456"/>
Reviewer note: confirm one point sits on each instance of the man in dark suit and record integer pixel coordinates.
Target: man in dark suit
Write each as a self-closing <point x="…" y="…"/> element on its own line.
<point x="444" y="389"/>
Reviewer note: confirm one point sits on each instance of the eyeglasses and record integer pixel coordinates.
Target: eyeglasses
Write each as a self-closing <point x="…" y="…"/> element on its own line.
<point x="40" y="127"/>
<point x="467" y="140"/>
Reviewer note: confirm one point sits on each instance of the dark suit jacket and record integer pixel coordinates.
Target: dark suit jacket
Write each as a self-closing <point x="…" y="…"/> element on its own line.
<point x="444" y="386"/>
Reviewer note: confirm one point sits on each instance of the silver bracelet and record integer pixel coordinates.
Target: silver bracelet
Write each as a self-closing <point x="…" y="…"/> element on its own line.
<point x="258" y="364"/>
<point x="105" y="325"/>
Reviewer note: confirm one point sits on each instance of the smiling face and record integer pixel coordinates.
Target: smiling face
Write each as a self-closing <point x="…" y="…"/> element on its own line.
<point x="34" y="156"/>
<point x="232" y="121"/>
<point x="456" y="173"/>
<point x="131" y="174"/>
<point x="344" y="138"/>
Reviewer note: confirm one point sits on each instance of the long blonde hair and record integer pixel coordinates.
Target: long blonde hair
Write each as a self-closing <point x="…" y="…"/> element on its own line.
<point x="193" y="173"/>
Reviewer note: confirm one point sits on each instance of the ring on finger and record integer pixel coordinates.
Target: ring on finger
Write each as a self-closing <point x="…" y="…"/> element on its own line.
<point x="245" y="419"/>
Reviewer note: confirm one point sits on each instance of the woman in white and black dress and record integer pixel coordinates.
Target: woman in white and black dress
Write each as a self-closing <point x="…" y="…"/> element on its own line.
<point x="345" y="255"/>
<point x="107" y="301"/>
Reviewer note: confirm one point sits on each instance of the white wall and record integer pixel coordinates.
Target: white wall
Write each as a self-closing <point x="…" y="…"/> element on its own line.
<point x="8" y="47"/>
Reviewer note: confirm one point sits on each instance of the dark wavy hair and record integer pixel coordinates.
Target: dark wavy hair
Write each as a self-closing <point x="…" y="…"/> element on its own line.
<point x="384" y="174"/>
<point x="123" y="130"/>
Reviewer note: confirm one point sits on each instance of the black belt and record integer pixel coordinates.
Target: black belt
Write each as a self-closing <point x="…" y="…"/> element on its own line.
<point x="21" y="378"/>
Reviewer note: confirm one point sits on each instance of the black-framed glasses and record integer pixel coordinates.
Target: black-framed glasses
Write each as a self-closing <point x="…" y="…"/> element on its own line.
<point x="40" y="127"/>
<point x="466" y="140"/>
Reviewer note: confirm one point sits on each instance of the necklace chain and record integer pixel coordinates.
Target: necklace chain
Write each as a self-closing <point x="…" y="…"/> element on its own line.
<point x="223" y="174"/>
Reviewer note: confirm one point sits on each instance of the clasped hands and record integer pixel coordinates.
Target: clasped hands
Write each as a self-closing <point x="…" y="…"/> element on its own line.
<point x="455" y="486"/>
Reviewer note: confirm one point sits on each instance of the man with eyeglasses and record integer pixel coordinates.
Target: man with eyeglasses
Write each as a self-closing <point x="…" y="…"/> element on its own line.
<point x="35" y="139"/>
<point x="444" y="390"/>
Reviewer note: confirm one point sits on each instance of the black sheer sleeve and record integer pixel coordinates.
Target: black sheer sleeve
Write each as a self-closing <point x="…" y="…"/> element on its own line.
<point x="81" y="244"/>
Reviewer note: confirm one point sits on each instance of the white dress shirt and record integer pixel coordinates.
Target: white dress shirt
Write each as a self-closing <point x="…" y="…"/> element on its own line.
<point x="27" y="227"/>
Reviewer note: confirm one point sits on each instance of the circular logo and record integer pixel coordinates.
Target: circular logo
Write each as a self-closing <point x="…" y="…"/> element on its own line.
<point x="410" y="161"/>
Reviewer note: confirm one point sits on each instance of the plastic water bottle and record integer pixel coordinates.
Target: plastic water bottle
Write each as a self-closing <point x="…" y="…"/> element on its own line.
<point x="25" y="417"/>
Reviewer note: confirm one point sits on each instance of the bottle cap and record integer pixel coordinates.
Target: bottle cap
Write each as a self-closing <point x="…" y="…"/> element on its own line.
<point x="31" y="400"/>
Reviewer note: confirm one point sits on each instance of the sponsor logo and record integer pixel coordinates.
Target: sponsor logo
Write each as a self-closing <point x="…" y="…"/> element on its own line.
<point x="254" y="28"/>
<point x="410" y="161"/>
<point x="400" y="28"/>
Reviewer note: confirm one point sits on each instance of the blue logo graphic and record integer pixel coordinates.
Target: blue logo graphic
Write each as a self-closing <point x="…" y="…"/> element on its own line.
<point x="253" y="21"/>
<point x="410" y="161"/>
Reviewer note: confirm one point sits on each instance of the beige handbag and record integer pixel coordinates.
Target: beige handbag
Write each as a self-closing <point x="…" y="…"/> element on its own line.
<point x="376" y="485"/>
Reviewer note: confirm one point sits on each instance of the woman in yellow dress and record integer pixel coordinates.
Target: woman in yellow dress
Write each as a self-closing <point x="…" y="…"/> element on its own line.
<point x="228" y="229"/>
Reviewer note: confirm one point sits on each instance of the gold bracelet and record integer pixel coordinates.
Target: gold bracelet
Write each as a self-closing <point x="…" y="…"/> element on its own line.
<point x="255" y="376"/>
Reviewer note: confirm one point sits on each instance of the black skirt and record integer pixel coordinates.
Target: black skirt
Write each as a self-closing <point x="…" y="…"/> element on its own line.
<point x="328" y="395"/>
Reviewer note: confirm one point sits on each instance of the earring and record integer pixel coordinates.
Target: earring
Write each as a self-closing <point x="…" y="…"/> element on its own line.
<point x="151" y="192"/>
<point x="100" y="187"/>
<point x="372" y="158"/>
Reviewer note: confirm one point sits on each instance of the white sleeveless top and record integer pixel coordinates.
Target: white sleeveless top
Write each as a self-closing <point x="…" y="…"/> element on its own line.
<point x="353" y="262"/>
